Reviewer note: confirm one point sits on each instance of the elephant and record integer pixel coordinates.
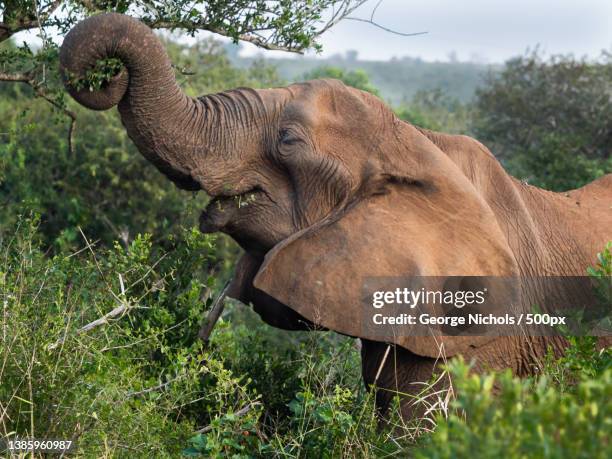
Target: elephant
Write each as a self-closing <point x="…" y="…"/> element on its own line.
<point x="323" y="186"/>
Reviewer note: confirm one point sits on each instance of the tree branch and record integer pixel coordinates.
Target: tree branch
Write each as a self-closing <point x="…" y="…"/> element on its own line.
<point x="339" y="15"/>
<point x="241" y="412"/>
<point x="119" y="310"/>
<point x="386" y="29"/>
<point x="375" y="24"/>
<point x="269" y="43"/>
<point x="155" y="388"/>
<point x="16" y="77"/>
<point x="26" y="22"/>
<point x="254" y="39"/>
<point x="40" y="92"/>
<point x="69" y="113"/>
<point x="214" y="314"/>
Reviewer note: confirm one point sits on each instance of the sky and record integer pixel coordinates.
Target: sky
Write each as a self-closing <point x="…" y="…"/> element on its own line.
<point x="483" y="30"/>
<point x="486" y="31"/>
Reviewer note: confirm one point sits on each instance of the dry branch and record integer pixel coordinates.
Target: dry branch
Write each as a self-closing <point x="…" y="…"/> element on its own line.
<point x="119" y="310"/>
<point x="105" y="319"/>
<point x="241" y="412"/>
<point x="213" y="315"/>
<point x="154" y="388"/>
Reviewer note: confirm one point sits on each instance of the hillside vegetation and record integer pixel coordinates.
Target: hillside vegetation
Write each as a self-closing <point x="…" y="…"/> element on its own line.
<point x="398" y="79"/>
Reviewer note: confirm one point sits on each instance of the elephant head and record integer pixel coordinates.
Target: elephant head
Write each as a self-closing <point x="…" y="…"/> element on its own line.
<point x="320" y="183"/>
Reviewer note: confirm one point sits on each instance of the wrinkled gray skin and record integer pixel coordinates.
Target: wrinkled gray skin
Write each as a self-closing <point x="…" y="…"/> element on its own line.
<point x="282" y="163"/>
<point x="231" y="144"/>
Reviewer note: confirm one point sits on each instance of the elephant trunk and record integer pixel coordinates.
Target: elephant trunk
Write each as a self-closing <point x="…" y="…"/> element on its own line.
<point x="161" y="120"/>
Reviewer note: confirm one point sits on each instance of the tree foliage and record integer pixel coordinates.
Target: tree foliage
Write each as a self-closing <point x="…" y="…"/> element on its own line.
<point x="550" y="120"/>
<point x="278" y="24"/>
<point x="437" y="111"/>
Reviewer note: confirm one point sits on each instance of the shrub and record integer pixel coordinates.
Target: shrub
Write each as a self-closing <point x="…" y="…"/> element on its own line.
<point x="526" y="418"/>
<point x="134" y="384"/>
<point x="356" y="78"/>
<point x="549" y="119"/>
<point x="100" y="346"/>
<point x="313" y="402"/>
<point x="437" y="111"/>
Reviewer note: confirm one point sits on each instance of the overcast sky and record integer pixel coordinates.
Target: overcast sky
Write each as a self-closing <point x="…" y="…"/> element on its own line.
<point x="486" y="30"/>
<point x="483" y="30"/>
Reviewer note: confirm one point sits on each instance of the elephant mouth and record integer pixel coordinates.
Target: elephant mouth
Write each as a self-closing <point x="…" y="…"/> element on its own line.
<point x="222" y="209"/>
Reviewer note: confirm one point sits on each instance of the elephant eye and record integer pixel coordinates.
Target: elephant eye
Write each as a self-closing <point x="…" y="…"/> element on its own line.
<point x="287" y="137"/>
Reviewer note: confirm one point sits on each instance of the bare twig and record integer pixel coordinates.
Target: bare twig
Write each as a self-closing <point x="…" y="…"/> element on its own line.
<point x="386" y="29"/>
<point x="119" y="310"/>
<point x="213" y="315"/>
<point x="375" y="24"/>
<point x="69" y="113"/>
<point x="123" y="307"/>
<point x="241" y="412"/>
<point x="74" y="254"/>
<point x="154" y="388"/>
<point x="93" y="255"/>
<point x="16" y="77"/>
<point x="382" y="363"/>
<point x="338" y="15"/>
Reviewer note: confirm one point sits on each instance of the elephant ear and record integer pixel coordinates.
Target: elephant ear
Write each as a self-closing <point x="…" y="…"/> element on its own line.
<point x="412" y="229"/>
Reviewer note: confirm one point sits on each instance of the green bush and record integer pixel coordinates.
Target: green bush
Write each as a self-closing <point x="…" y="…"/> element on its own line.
<point x="133" y="382"/>
<point x="437" y="111"/>
<point x="100" y="346"/>
<point x="355" y="78"/>
<point x="565" y="412"/>
<point x="525" y="418"/>
<point x="140" y="384"/>
<point x="549" y="119"/>
<point x="313" y="402"/>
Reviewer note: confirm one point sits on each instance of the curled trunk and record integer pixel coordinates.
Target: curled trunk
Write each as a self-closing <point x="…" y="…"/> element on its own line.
<point x="160" y="119"/>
